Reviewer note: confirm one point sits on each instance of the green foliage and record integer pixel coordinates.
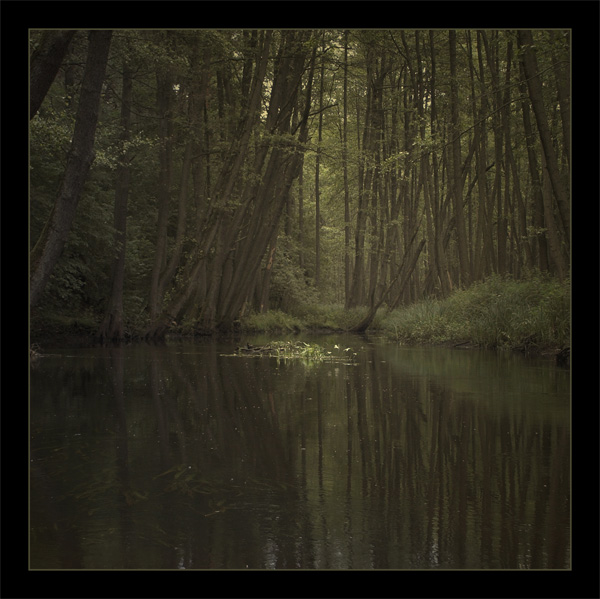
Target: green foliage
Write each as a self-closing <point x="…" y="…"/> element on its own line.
<point x="419" y="323"/>
<point x="289" y="285"/>
<point x="312" y="317"/>
<point x="272" y="321"/>
<point x="497" y="313"/>
<point x="298" y="349"/>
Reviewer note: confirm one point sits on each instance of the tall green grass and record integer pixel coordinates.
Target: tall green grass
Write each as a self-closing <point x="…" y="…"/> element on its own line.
<point x="305" y="317"/>
<point x="273" y="321"/>
<point x="497" y="313"/>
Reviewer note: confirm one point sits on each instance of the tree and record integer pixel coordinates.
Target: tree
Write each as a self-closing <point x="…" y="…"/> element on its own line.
<point x="112" y="326"/>
<point x="534" y="86"/>
<point x="447" y="159"/>
<point x="45" y="63"/>
<point x="457" y="178"/>
<point x="347" y="232"/>
<point x="49" y="247"/>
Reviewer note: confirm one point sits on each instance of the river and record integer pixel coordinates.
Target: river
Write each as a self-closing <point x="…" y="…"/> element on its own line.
<point x="184" y="456"/>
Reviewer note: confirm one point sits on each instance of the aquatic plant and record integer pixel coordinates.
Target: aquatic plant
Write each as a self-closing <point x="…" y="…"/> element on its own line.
<point x="296" y="349"/>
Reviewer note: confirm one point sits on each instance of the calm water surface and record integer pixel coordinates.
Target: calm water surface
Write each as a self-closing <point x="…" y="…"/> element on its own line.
<point x="182" y="456"/>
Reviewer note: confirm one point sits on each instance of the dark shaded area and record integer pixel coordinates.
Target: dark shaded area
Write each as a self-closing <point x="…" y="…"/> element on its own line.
<point x="177" y="456"/>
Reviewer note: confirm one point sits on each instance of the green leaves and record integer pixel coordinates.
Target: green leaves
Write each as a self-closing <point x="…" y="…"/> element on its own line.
<point x="293" y="350"/>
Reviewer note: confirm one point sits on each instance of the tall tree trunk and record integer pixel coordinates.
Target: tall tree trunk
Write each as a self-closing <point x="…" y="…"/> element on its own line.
<point x="264" y="200"/>
<point x="479" y="125"/>
<point x="164" y="90"/>
<point x="112" y="325"/>
<point x="373" y="181"/>
<point x="434" y="178"/>
<point x="503" y="227"/>
<point x="174" y="260"/>
<point x="534" y="175"/>
<point x="81" y="155"/>
<point x="44" y="65"/>
<point x="488" y="258"/>
<point x="554" y="238"/>
<point x="317" y="175"/>
<point x="534" y="85"/>
<point x="347" y="272"/>
<point x="562" y="73"/>
<point x="457" y="178"/>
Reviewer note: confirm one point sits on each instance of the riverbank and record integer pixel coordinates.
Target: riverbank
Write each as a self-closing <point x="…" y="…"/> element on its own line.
<point x="532" y="316"/>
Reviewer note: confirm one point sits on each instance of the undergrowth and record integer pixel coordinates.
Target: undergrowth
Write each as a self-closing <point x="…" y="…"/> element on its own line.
<point x="497" y="313"/>
<point x="273" y="321"/>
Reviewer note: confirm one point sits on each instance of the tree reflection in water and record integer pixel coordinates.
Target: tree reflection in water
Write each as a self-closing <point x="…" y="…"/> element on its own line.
<point x="176" y="456"/>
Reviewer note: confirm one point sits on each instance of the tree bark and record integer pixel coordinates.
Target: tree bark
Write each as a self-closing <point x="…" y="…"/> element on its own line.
<point x="81" y="155"/>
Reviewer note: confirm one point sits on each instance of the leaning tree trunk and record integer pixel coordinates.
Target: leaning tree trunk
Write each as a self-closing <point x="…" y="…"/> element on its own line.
<point x="112" y="325"/>
<point x="400" y="279"/>
<point x="213" y="222"/>
<point x="45" y="62"/>
<point x="81" y="155"/>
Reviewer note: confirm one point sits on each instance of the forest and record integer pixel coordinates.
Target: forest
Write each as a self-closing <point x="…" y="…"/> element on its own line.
<point x="189" y="179"/>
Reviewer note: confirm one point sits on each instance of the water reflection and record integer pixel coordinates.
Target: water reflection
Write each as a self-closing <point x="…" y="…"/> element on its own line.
<point x="180" y="457"/>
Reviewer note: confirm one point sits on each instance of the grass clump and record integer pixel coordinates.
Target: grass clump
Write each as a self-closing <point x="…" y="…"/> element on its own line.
<point x="497" y="313"/>
<point x="273" y="321"/>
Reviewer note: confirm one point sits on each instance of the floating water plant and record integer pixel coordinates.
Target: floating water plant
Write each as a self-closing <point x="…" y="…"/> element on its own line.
<point x="296" y="349"/>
